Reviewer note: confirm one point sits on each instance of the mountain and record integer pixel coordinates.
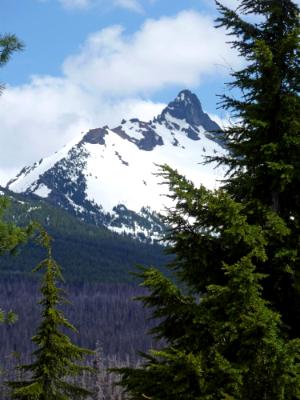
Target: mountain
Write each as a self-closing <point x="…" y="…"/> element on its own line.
<point x="106" y="176"/>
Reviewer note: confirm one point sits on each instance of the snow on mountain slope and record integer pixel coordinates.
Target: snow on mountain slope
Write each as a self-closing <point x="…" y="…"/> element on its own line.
<point x="107" y="176"/>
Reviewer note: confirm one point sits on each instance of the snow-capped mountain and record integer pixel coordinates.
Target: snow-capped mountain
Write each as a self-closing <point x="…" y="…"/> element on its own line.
<point x="107" y="176"/>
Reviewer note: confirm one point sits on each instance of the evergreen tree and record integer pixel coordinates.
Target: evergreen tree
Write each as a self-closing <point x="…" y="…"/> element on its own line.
<point x="223" y="339"/>
<point x="57" y="359"/>
<point x="237" y="248"/>
<point x="264" y="161"/>
<point x="11" y="236"/>
<point x="8" y="45"/>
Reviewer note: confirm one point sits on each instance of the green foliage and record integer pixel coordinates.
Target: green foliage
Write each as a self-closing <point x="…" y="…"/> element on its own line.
<point x="87" y="252"/>
<point x="265" y="145"/>
<point x="11" y="237"/>
<point x="264" y="166"/>
<point x="9" y="318"/>
<point x="9" y="44"/>
<point x="57" y="359"/>
<point x="237" y="248"/>
<point x="224" y="340"/>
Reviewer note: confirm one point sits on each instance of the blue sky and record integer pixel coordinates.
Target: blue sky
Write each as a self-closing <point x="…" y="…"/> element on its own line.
<point x="54" y="29"/>
<point x="88" y="63"/>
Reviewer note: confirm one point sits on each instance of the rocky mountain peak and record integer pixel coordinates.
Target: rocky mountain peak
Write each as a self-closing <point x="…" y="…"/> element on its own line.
<point x="186" y="106"/>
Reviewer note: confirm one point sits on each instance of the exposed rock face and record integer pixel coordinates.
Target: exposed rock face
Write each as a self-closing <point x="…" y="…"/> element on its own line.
<point x="95" y="136"/>
<point x="187" y="107"/>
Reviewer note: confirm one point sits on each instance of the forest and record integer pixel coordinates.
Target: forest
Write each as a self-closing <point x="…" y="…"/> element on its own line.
<point x="85" y="252"/>
<point x="224" y="321"/>
<point x="107" y="319"/>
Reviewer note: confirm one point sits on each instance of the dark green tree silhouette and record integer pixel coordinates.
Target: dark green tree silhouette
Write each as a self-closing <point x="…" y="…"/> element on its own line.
<point x="224" y="341"/>
<point x="57" y="360"/>
<point x="9" y="44"/>
<point x="237" y="249"/>
<point x="264" y="167"/>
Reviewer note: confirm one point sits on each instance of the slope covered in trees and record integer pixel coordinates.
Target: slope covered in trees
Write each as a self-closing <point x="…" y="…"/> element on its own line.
<point x="86" y="252"/>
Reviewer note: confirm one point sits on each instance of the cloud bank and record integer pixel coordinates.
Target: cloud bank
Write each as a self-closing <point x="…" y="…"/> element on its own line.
<point x="163" y="52"/>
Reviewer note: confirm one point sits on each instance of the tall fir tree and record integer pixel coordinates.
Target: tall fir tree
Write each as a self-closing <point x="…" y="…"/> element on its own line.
<point x="236" y="249"/>
<point x="224" y="341"/>
<point x="57" y="360"/>
<point x="264" y="161"/>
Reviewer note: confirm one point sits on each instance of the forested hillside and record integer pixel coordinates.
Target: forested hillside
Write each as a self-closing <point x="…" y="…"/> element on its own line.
<point x="105" y="315"/>
<point x="85" y="251"/>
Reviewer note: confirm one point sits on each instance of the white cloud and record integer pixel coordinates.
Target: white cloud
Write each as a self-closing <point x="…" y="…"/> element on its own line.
<point x="132" y="5"/>
<point x="181" y="50"/>
<point x="106" y="82"/>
